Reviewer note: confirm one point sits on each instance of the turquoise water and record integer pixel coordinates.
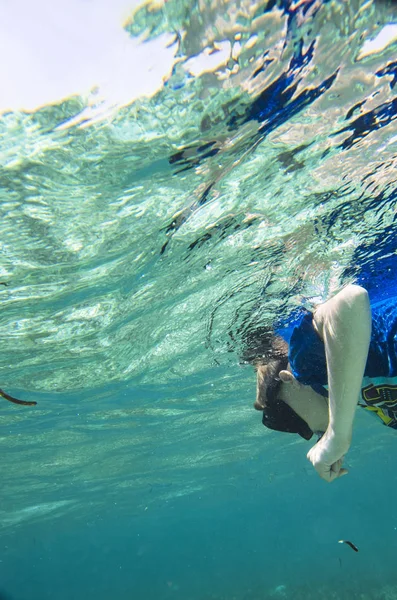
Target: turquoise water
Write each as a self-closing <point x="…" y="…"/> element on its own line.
<point x="141" y="242"/>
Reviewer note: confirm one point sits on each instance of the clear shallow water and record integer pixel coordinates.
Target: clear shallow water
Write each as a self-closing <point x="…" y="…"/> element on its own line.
<point x="140" y="247"/>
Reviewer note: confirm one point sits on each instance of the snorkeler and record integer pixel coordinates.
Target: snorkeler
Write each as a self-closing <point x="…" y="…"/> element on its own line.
<point x="310" y="379"/>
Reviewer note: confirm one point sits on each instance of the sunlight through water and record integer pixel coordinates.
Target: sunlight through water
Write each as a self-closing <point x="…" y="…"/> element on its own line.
<point x="175" y="175"/>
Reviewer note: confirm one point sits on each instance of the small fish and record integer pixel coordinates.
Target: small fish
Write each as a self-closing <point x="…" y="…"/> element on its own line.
<point x="15" y="400"/>
<point x="352" y="546"/>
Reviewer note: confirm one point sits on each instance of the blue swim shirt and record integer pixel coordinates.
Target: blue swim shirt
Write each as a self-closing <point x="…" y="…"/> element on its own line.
<point x="379" y="389"/>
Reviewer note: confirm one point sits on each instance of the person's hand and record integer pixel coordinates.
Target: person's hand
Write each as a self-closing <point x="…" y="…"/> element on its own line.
<point x="328" y="454"/>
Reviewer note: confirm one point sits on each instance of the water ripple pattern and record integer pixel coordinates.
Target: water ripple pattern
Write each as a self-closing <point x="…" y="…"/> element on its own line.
<point x="141" y="244"/>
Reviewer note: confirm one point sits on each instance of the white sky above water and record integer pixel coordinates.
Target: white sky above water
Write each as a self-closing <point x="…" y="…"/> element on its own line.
<point x="53" y="49"/>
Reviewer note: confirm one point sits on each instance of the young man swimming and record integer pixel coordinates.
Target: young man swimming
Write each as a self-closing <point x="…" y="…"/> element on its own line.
<point x="343" y="353"/>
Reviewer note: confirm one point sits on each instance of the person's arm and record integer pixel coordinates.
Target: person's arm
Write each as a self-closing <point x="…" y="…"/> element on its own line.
<point x="344" y="324"/>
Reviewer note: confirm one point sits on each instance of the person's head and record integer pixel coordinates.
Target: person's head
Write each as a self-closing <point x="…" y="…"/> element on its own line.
<point x="277" y="413"/>
<point x="286" y="404"/>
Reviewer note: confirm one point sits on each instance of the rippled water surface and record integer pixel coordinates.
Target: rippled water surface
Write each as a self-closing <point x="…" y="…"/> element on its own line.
<point x="141" y="241"/>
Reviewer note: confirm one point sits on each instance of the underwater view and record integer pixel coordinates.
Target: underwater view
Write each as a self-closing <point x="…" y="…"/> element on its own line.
<point x="175" y="176"/>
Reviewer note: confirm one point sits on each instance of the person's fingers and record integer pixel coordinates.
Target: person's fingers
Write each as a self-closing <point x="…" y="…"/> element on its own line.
<point x="332" y="472"/>
<point x="326" y="473"/>
<point x="333" y="475"/>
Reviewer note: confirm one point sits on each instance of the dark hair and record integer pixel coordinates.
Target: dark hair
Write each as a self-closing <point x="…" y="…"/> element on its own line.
<point x="268" y="382"/>
<point x="262" y="346"/>
<point x="269" y="354"/>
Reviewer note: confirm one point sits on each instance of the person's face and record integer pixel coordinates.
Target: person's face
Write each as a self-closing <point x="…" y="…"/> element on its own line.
<point x="309" y="405"/>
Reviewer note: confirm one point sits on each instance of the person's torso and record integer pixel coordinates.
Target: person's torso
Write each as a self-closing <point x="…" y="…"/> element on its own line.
<point x="379" y="396"/>
<point x="379" y="386"/>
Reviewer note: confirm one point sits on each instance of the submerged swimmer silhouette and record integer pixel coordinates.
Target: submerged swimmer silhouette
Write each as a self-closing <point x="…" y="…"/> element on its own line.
<point x="311" y="376"/>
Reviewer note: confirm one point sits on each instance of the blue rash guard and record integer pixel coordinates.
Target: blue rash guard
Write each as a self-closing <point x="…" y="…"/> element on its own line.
<point x="379" y="386"/>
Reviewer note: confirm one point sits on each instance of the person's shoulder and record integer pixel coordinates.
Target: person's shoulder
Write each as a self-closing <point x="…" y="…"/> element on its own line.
<point x="351" y="299"/>
<point x="350" y="293"/>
